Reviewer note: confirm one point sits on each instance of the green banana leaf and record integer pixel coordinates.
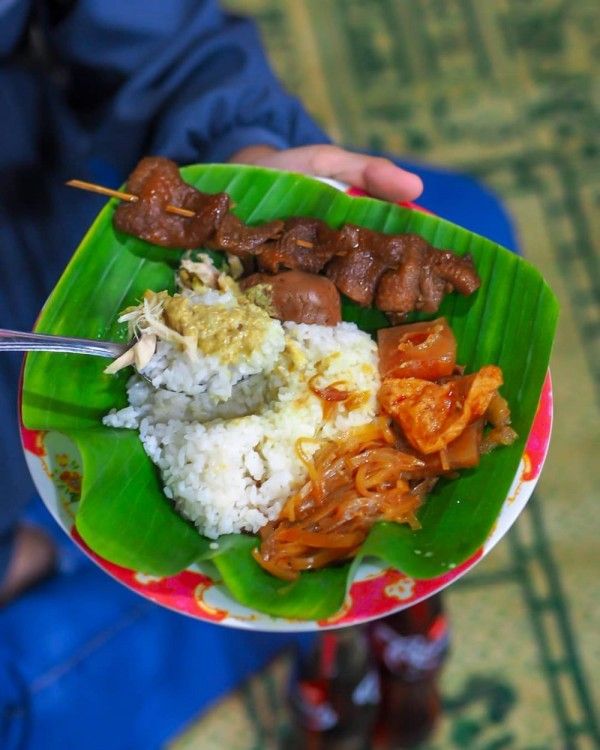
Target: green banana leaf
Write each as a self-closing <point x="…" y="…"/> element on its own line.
<point x="123" y="514"/>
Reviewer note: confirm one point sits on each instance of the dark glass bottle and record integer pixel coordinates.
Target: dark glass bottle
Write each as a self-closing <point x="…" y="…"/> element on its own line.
<point x="335" y="693"/>
<point x="410" y="648"/>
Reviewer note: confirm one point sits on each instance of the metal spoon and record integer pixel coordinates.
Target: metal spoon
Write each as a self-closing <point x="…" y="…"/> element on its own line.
<point x="19" y="341"/>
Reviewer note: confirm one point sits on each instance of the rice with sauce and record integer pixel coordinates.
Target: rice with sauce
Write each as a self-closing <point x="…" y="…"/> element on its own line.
<point x="238" y="340"/>
<point x="227" y="455"/>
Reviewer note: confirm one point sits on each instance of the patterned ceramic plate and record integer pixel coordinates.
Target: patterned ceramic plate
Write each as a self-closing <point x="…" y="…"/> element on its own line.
<point x="376" y="590"/>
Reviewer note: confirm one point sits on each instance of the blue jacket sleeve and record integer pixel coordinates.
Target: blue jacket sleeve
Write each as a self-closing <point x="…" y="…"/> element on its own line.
<point x="179" y="78"/>
<point x="13" y="21"/>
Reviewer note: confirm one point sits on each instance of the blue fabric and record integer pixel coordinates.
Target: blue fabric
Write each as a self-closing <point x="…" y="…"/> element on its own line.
<point x="464" y="201"/>
<point x="13" y="17"/>
<point x="85" y="663"/>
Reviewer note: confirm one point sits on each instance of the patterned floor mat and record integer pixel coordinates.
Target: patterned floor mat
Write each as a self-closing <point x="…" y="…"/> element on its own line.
<point x="503" y="90"/>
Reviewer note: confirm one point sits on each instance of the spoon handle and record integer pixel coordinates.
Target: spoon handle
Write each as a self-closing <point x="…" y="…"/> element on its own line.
<point x="19" y="341"/>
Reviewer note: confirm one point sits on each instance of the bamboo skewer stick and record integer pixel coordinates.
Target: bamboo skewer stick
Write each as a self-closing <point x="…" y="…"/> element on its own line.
<point x="92" y="187"/>
<point x="122" y="196"/>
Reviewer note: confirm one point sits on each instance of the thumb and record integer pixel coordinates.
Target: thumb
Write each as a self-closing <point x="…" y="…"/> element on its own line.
<point x="380" y="177"/>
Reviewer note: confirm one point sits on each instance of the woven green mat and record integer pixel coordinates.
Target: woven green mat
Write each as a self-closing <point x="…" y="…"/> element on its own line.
<point x="503" y="90"/>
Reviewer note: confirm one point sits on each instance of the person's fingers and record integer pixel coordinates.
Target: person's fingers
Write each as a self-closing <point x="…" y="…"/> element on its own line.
<point x="378" y="176"/>
<point x="383" y="179"/>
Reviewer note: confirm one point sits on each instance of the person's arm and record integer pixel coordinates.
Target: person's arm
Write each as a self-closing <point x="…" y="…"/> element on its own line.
<point x="13" y="21"/>
<point x="186" y="80"/>
<point x="178" y="78"/>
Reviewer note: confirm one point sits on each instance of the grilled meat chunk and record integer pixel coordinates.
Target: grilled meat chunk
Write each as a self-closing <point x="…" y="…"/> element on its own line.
<point x="235" y="237"/>
<point x="157" y="183"/>
<point x="423" y="277"/>
<point x="398" y="273"/>
<point x="357" y="273"/>
<point x="305" y="245"/>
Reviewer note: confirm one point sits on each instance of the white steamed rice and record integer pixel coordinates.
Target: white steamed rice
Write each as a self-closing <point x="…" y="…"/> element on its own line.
<point x="227" y="455"/>
<point x="168" y="368"/>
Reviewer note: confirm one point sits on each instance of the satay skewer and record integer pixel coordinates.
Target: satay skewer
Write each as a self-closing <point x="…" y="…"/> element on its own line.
<point x="121" y="195"/>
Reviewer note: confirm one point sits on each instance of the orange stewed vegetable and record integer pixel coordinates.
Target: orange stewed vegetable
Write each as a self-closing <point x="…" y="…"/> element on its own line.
<point x="462" y="453"/>
<point x="354" y="481"/>
<point x="419" y="350"/>
<point x="432" y="415"/>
